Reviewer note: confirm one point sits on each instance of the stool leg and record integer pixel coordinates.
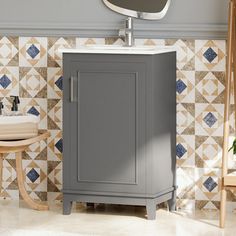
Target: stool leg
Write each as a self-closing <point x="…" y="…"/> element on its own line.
<point x="223" y="207"/>
<point x="1" y="170"/>
<point x="33" y="204"/>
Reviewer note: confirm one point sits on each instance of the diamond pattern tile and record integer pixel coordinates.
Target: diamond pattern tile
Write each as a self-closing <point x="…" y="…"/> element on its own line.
<point x="59" y="83"/>
<point x="210" y="87"/>
<point x="54" y="153"/>
<point x="33" y="111"/>
<point x="5" y="81"/>
<point x="9" y="51"/>
<point x="210" y="184"/>
<point x="210" y="54"/>
<point x="185" y="151"/>
<point x="59" y="145"/>
<point x="210" y="119"/>
<point x="38" y="107"/>
<point x="186" y="94"/>
<point x="33" y="82"/>
<point x="180" y="150"/>
<point x="9" y="81"/>
<point x="185" y="53"/>
<point x="33" y="175"/>
<point x="54" y="44"/>
<point x="185" y="118"/>
<point x="55" y="83"/>
<point x="33" y="51"/>
<point x="180" y="86"/>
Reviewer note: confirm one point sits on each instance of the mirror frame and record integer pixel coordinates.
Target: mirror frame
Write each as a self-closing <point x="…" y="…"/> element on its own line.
<point x="137" y="14"/>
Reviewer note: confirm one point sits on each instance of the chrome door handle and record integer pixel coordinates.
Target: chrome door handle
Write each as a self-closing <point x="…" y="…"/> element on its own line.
<point x="71" y="89"/>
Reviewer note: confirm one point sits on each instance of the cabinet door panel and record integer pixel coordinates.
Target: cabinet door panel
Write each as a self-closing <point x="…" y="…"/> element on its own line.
<point x="107" y="127"/>
<point x="106" y="132"/>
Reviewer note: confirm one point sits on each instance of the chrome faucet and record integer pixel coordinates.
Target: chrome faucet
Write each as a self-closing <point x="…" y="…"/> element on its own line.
<point x="128" y="32"/>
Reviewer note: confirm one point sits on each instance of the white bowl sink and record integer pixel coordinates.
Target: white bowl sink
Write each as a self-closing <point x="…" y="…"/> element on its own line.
<point x="119" y="49"/>
<point x="18" y="127"/>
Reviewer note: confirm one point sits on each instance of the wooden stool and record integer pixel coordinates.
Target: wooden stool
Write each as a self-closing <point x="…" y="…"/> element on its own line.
<point x="18" y="147"/>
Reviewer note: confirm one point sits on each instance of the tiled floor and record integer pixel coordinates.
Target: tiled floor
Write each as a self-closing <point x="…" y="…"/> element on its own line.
<point x="108" y="220"/>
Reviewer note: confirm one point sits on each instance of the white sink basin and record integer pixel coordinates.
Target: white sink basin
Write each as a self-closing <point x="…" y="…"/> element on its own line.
<point x="18" y="127"/>
<point x="118" y="49"/>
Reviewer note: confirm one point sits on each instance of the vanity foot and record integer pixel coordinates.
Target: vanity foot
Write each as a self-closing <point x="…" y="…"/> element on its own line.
<point x="151" y="210"/>
<point x="67" y="205"/>
<point x="172" y="202"/>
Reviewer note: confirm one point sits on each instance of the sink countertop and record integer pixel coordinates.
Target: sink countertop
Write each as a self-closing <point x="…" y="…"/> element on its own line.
<point x="113" y="49"/>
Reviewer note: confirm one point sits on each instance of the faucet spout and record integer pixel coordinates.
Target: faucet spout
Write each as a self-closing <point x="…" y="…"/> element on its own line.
<point x="128" y="32"/>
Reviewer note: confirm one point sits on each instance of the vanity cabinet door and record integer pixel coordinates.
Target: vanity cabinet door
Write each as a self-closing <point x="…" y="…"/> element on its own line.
<point x="104" y="125"/>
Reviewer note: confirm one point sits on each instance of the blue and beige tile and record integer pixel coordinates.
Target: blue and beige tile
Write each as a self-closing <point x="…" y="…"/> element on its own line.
<point x="185" y="86"/>
<point x="36" y="176"/>
<point x="186" y="187"/>
<point x="54" y="44"/>
<point x="33" y="82"/>
<point x="54" y="114"/>
<point x="185" y="53"/>
<point x="210" y="87"/>
<point x="55" y="146"/>
<point x="185" y="150"/>
<point x="55" y="83"/>
<point x="150" y="42"/>
<point x="9" y="182"/>
<point x="207" y="194"/>
<point x="9" y="54"/>
<point x="54" y="176"/>
<point x="9" y="81"/>
<point x="210" y="55"/>
<point x="37" y="107"/>
<point x="209" y="119"/>
<point x="33" y="51"/>
<point x="186" y="118"/>
<point x="208" y="151"/>
<point x="36" y="151"/>
<point x="89" y="41"/>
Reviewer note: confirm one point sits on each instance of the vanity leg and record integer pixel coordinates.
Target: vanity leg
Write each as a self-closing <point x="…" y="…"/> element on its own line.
<point x="1" y="170"/>
<point x="151" y="210"/>
<point x="67" y="205"/>
<point x="172" y="202"/>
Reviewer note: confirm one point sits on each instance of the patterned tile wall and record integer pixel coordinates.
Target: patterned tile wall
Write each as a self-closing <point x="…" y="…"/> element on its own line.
<point x="31" y="67"/>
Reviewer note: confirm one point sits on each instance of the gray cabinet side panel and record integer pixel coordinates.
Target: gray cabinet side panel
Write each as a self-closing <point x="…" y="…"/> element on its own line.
<point x="161" y="123"/>
<point x="66" y="121"/>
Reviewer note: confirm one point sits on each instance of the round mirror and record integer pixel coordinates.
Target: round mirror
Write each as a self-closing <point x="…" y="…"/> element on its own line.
<point x="143" y="9"/>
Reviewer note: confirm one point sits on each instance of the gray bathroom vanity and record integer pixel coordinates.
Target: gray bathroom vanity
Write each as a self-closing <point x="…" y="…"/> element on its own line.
<point x="119" y="126"/>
